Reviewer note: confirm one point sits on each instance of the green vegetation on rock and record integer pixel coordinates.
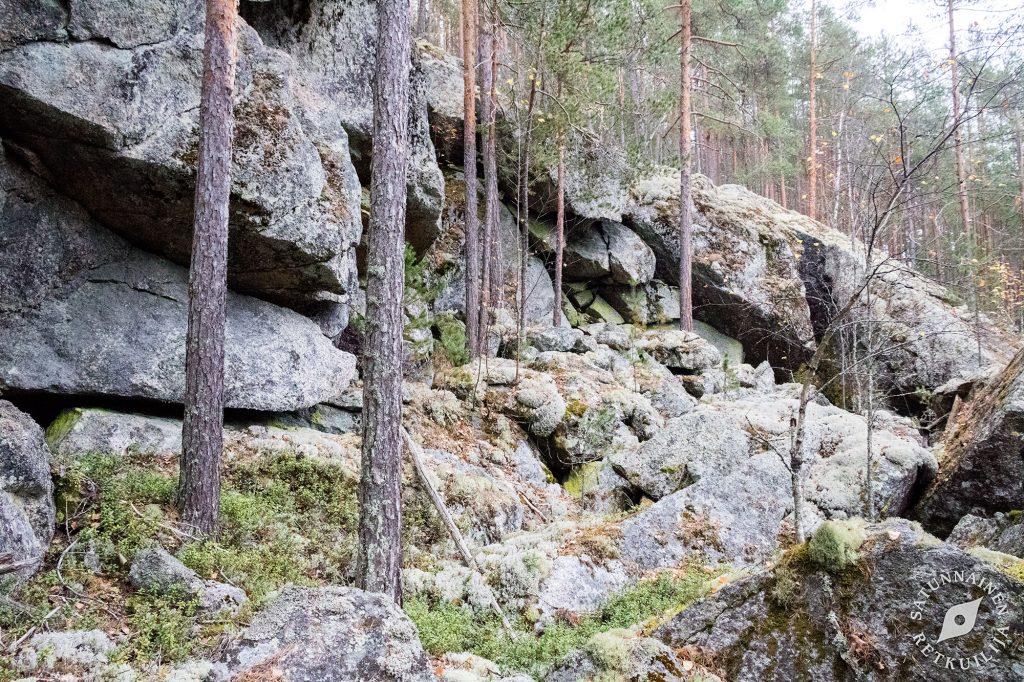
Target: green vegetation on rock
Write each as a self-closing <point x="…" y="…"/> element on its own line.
<point x="447" y="627"/>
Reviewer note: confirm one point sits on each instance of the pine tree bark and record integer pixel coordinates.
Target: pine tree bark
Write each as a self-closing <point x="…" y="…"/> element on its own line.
<point x="556" y="313"/>
<point x="379" y="559"/>
<point x="489" y="109"/>
<point x="812" y="133"/>
<point x="202" y="429"/>
<point x="958" y="140"/>
<point x="469" y="167"/>
<point x="685" y="156"/>
<point x="488" y="293"/>
<point x="1018" y="131"/>
<point x="421" y="19"/>
<point x="524" y="211"/>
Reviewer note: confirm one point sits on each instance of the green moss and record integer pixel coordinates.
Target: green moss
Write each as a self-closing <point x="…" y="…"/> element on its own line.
<point x="576" y="408"/>
<point x="446" y="627"/>
<point x="451" y="334"/>
<point x="581" y="478"/>
<point x="833" y="546"/>
<point x="62" y="425"/>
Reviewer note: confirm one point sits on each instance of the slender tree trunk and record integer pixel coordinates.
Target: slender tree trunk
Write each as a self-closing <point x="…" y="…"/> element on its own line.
<point x="496" y="283"/>
<point x="421" y="19"/>
<point x="489" y="294"/>
<point x="1019" y="135"/>
<point x="469" y="166"/>
<point x="556" y="313"/>
<point x="202" y="429"/>
<point x="685" y="153"/>
<point x="812" y="133"/>
<point x="379" y="560"/>
<point x="958" y="141"/>
<point x="524" y="211"/>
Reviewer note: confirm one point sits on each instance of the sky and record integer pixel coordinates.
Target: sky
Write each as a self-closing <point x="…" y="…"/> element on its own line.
<point x="928" y="16"/>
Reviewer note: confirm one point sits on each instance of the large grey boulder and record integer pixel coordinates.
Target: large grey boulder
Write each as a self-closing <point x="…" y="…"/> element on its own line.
<point x="981" y="462"/>
<point x="331" y="634"/>
<point x="871" y="604"/>
<point x="773" y="279"/>
<point x="82" y="312"/>
<point x="334" y="48"/>
<point x="27" y="508"/>
<point x="723" y="486"/>
<point x="599" y="249"/>
<point x="111" y="117"/>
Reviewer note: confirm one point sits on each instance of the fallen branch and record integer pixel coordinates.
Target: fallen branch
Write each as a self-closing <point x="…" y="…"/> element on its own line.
<point x="453" y="530"/>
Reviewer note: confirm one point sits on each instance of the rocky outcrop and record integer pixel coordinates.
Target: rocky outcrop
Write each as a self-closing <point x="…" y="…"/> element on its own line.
<point x="156" y="572"/>
<point x="719" y="474"/>
<point x="334" y="47"/>
<point x="331" y="634"/>
<point x="981" y="462"/>
<point x="109" y="114"/>
<point x="621" y="654"/>
<point x="602" y="249"/>
<point x="27" y="508"/>
<point x="774" y="279"/>
<point x="878" y="604"/>
<point x="85" y="313"/>
<point x="1002" y="533"/>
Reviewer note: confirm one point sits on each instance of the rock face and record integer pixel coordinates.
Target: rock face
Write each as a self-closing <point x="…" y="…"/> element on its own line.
<point x="26" y="492"/>
<point x="602" y="249"/>
<point x="879" y="617"/>
<point x="109" y="114"/>
<point x="331" y="634"/>
<point x="981" y="464"/>
<point x="1002" y="533"/>
<point x="85" y="313"/>
<point x="334" y="47"/>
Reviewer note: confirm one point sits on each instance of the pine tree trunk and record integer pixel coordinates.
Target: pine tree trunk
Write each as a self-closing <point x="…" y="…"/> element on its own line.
<point x="1019" y="134"/>
<point x="958" y="141"/>
<point x="497" y="283"/>
<point x="524" y="214"/>
<point x="491" y="279"/>
<point x="202" y="430"/>
<point x="685" y="155"/>
<point x="379" y="560"/>
<point x="421" y="19"/>
<point x="556" y="313"/>
<point x="812" y="133"/>
<point x="469" y="167"/>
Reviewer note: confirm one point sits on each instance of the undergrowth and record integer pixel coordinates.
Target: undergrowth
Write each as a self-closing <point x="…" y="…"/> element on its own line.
<point x="447" y="627"/>
<point x="284" y="518"/>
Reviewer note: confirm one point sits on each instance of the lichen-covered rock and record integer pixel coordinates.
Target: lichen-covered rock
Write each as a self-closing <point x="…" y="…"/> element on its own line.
<point x="83" y="430"/>
<point x="85" y="313"/>
<point x="760" y="268"/>
<point x="721" y="478"/>
<point x="330" y="634"/>
<point x="623" y="655"/>
<point x="599" y="249"/>
<point x="128" y="154"/>
<point x="1001" y="533"/>
<point x="334" y="48"/>
<point x="981" y="463"/>
<point x="908" y="607"/>
<point x="155" y="571"/>
<point x="27" y="508"/>
<point x="88" y="650"/>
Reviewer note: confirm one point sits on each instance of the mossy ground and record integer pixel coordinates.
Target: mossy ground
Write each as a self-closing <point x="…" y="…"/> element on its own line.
<point x="284" y="518"/>
<point x="447" y="627"/>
